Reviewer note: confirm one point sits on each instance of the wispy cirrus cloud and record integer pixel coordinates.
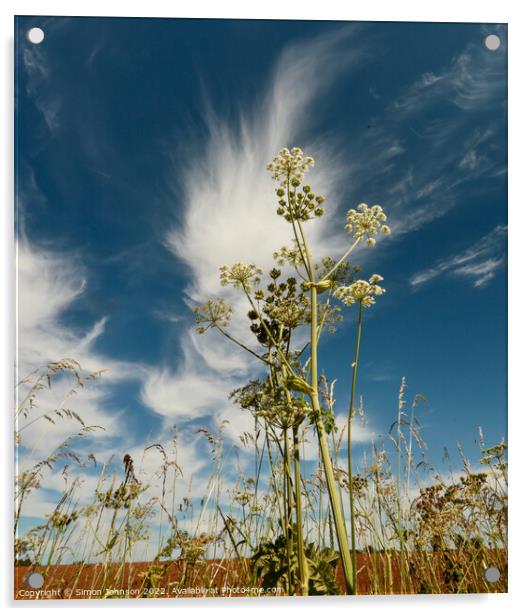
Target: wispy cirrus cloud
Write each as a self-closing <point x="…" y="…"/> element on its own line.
<point x="439" y="145"/>
<point x="474" y="78"/>
<point x="39" y="89"/>
<point x="41" y="77"/>
<point x="479" y="263"/>
<point x="229" y="205"/>
<point x="49" y="284"/>
<point x="226" y="189"/>
<point x="229" y="199"/>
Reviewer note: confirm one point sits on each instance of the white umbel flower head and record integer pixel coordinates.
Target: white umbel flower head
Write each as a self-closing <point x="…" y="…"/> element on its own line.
<point x="366" y="222"/>
<point x="215" y="313"/>
<point x="290" y="165"/>
<point x="361" y="292"/>
<point x="240" y="275"/>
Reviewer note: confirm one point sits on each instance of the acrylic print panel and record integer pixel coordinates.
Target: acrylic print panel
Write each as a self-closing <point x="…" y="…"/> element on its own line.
<point x="261" y="308"/>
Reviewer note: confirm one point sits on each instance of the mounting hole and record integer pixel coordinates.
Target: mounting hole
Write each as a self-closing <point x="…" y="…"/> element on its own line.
<point x="36" y="35"/>
<point x="492" y="42"/>
<point x="492" y="574"/>
<point x="35" y="580"/>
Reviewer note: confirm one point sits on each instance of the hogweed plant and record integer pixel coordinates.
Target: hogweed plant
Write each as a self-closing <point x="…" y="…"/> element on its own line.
<point x="145" y="525"/>
<point x="290" y="394"/>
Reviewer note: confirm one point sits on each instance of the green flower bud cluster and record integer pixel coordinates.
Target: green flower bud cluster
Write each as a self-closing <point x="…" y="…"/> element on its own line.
<point x="193" y="549"/>
<point x="289" y="313"/>
<point x="272" y="404"/>
<point x="342" y="273"/>
<point x="284" y="308"/>
<point x="295" y="203"/>
<point x="299" y="205"/>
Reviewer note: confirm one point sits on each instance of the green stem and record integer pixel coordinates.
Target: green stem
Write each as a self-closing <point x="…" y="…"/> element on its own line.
<point x="274" y="484"/>
<point x="341" y="532"/>
<point x="340" y="261"/>
<point x="339" y="523"/>
<point x="288" y="508"/>
<point x="302" y="559"/>
<point x="350" y="445"/>
<point x="324" y="315"/>
<point x="234" y="340"/>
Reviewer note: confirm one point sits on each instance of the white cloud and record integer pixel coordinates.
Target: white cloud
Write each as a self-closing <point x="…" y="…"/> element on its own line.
<point x="48" y="283"/>
<point x="229" y="197"/>
<point x="49" y="103"/>
<point x="42" y="437"/>
<point x="235" y="422"/>
<point x="479" y="263"/>
<point x="481" y="272"/>
<point x="470" y="160"/>
<point x="474" y="78"/>
<point x="230" y="214"/>
<point x="417" y="191"/>
<point x="187" y="393"/>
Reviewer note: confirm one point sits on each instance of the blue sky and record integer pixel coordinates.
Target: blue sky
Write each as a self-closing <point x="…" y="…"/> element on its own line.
<point x="140" y="153"/>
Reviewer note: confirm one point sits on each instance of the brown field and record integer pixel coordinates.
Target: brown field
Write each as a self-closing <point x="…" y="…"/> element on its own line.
<point x="377" y="574"/>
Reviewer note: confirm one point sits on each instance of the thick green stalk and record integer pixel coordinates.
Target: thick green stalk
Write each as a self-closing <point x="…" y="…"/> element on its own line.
<point x="341" y="533"/>
<point x="302" y="559"/>
<point x="274" y="484"/>
<point x="288" y="507"/>
<point x="339" y="523"/>
<point x="350" y="445"/>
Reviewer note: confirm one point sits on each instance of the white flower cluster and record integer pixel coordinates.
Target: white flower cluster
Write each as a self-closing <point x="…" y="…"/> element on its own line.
<point x="215" y="313"/>
<point x="290" y="165"/>
<point x="360" y="292"/>
<point x="289" y="255"/>
<point x="240" y="275"/>
<point x="365" y="221"/>
<point x="289" y="313"/>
